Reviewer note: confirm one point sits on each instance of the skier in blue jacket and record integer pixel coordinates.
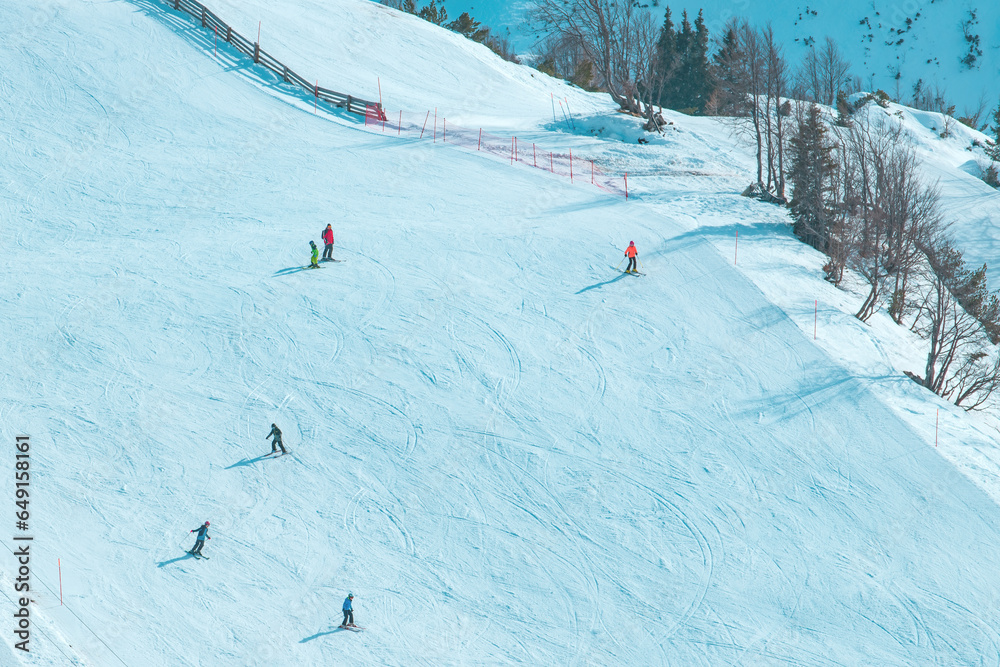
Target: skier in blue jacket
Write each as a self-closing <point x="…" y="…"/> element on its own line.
<point x="199" y="541"/>
<point x="348" y="611"/>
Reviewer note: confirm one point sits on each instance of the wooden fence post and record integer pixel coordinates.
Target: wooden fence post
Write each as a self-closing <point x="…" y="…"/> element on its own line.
<point x="348" y="103"/>
<point x="256" y="52"/>
<point x="203" y="23"/>
<point x="177" y="5"/>
<point x="229" y="33"/>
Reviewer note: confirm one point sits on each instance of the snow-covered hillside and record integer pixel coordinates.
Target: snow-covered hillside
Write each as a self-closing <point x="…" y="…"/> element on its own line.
<point x="918" y="40"/>
<point x="506" y="449"/>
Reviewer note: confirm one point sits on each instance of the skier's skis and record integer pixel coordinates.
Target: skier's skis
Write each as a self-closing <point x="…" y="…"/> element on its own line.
<point x="632" y="273"/>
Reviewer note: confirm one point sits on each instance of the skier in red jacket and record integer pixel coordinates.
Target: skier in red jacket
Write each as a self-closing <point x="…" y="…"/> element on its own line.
<point x="328" y="240"/>
<point x="631" y="253"/>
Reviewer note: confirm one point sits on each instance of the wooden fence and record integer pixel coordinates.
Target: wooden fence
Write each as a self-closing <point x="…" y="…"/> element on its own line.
<point x="261" y="57"/>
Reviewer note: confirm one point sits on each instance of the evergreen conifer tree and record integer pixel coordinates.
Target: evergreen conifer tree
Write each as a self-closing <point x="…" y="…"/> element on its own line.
<point x="432" y="13"/>
<point x="994" y="152"/>
<point x="812" y="178"/>
<point x="726" y="72"/>
<point x="700" y="83"/>
<point x="469" y="27"/>
<point x="666" y="60"/>
<point x="678" y="89"/>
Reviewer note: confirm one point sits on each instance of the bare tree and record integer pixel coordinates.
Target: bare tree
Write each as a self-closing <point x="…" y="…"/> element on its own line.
<point x="778" y="109"/>
<point x="958" y="317"/>
<point x="834" y="72"/>
<point x="824" y="73"/>
<point x="754" y="85"/>
<point x="871" y="156"/>
<point x="618" y="36"/>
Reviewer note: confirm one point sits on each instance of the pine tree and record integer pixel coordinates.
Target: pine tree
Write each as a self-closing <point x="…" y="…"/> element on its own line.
<point x="727" y="66"/>
<point x="666" y="60"/>
<point x="678" y="93"/>
<point x="994" y="152"/>
<point x="811" y="175"/>
<point x="700" y="82"/>
<point x="469" y="27"/>
<point x="433" y="14"/>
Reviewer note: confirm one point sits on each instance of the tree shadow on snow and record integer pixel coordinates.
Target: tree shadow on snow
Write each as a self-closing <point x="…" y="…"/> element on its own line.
<point x="599" y="285"/>
<point x="321" y="634"/>
<point x="174" y="560"/>
<point x="248" y="462"/>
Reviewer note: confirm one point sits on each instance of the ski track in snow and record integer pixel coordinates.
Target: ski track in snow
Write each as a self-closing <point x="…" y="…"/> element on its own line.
<point x="508" y="454"/>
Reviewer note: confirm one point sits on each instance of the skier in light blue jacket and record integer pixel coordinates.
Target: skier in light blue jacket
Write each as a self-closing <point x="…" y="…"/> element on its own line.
<point x="348" y="611"/>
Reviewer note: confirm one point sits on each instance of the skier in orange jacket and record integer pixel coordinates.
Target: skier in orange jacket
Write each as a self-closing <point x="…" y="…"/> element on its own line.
<point x="631" y="253"/>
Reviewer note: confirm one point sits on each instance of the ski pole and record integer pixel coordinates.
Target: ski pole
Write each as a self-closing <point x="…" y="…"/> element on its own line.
<point x="641" y="264"/>
<point x="619" y="264"/>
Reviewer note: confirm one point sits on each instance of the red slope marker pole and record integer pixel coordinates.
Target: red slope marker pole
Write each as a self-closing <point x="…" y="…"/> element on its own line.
<point x="444" y="130"/>
<point x="591" y="172"/>
<point x="425" y="124"/>
<point x="480" y="144"/>
<point x="399" y="128"/>
<point x="534" y="156"/>
<point x="435" y="125"/>
<point x="571" y="165"/>
<point x="626" y="186"/>
<point x="552" y="164"/>
<point x="515" y="149"/>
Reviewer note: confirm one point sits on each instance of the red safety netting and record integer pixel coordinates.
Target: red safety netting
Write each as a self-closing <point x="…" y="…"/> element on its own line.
<point x="526" y="154"/>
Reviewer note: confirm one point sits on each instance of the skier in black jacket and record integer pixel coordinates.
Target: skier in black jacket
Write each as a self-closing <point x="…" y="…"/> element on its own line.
<point x="200" y="539"/>
<point x="276" y="432"/>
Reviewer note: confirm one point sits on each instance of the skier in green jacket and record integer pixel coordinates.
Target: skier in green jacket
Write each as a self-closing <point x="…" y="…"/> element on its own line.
<point x="314" y="262"/>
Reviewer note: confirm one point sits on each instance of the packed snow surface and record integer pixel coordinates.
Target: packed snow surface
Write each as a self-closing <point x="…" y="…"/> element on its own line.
<point x="507" y="450"/>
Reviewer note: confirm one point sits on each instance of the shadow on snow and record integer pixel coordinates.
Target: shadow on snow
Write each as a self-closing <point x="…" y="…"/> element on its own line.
<point x="174" y="560"/>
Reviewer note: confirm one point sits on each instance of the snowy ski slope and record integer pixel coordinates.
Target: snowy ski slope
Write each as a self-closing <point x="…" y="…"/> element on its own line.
<point x="509" y="452"/>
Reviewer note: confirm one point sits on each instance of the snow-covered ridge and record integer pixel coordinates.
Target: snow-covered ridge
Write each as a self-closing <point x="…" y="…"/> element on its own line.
<point x="920" y="40"/>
